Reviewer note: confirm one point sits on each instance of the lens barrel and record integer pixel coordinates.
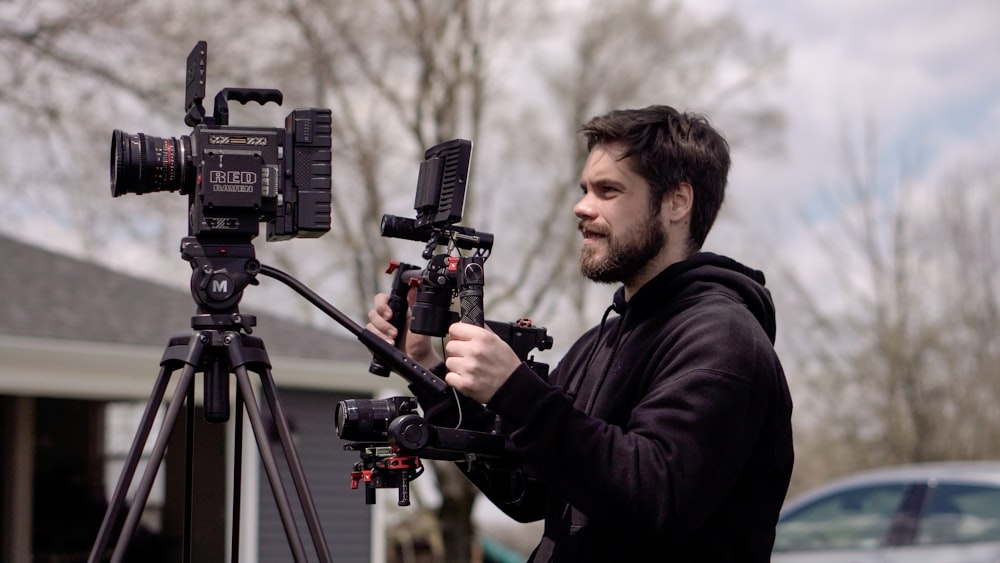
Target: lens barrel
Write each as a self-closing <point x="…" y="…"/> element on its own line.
<point x="367" y="420"/>
<point x="141" y="163"/>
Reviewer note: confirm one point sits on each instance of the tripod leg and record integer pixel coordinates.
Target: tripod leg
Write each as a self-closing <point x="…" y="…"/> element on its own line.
<point x="188" y="477"/>
<point x="131" y="463"/>
<point x="280" y="497"/>
<point x="234" y="537"/>
<point x="153" y="464"/>
<point x="294" y="463"/>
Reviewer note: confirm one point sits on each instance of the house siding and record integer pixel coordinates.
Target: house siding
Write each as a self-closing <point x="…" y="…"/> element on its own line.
<point x="343" y="514"/>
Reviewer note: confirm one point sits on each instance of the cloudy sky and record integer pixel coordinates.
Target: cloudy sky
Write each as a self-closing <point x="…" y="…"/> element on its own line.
<point x="924" y="73"/>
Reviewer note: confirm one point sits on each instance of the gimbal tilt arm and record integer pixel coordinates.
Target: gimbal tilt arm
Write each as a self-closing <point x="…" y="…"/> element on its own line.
<point x="390" y="355"/>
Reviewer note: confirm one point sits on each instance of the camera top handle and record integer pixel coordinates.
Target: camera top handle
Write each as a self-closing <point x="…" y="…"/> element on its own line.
<point x="194" y="93"/>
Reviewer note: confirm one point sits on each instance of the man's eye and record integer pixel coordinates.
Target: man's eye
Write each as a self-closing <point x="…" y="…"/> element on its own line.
<point x="601" y="190"/>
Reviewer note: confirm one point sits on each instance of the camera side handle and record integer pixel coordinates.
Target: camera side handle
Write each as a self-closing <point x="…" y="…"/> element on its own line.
<point x="402" y="275"/>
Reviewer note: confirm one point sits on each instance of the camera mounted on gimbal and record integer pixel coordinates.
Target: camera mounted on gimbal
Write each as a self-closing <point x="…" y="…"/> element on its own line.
<point x="389" y="433"/>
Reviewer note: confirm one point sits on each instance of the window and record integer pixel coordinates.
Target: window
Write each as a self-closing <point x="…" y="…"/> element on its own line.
<point x="852" y="519"/>
<point x="121" y="421"/>
<point x="960" y="514"/>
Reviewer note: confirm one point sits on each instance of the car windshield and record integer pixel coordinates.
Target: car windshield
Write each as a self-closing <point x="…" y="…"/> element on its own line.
<point x="853" y="519"/>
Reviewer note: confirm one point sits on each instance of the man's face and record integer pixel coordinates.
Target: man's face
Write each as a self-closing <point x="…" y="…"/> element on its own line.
<point x="622" y="233"/>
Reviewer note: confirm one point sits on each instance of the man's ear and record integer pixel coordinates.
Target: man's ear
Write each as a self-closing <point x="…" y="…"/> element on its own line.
<point x="680" y="203"/>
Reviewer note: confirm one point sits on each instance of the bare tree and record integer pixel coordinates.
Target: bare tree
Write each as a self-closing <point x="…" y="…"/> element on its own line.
<point x="629" y="54"/>
<point x="965" y="240"/>
<point x="73" y="72"/>
<point x="890" y="351"/>
<point x="51" y="93"/>
<point x="400" y="77"/>
<point x="421" y="83"/>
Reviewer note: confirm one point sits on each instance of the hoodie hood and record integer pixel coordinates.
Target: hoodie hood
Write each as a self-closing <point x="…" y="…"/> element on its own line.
<point x="701" y="269"/>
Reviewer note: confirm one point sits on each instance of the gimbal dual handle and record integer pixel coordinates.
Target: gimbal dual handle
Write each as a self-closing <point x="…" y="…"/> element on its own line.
<point x="471" y="279"/>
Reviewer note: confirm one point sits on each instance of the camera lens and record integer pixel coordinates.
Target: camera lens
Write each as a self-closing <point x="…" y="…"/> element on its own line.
<point x="367" y="420"/>
<point x="142" y="163"/>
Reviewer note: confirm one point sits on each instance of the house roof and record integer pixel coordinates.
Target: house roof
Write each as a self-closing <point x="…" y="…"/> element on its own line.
<point x="47" y="295"/>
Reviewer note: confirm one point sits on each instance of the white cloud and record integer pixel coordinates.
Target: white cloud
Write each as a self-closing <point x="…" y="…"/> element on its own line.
<point x="922" y="71"/>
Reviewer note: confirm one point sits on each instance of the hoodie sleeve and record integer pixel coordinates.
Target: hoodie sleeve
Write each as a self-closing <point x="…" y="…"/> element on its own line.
<point x="684" y="445"/>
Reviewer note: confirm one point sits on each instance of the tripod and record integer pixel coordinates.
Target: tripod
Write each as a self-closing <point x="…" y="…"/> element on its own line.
<point x="219" y="345"/>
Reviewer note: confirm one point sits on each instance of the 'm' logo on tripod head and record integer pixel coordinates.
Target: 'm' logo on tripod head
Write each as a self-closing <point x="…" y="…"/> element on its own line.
<point x="220" y="287"/>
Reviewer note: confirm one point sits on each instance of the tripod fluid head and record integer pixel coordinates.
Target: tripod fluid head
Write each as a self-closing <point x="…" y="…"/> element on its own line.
<point x="220" y="272"/>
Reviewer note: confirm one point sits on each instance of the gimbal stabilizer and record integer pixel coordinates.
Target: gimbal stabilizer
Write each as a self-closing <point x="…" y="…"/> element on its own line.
<point x="389" y="433"/>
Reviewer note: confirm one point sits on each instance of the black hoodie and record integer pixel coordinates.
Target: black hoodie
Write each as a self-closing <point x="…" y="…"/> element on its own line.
<point x="664" y="433"/>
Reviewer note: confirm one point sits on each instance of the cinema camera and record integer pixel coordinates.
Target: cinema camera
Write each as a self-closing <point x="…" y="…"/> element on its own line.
<point x="235" y="177"/>
<point x="390" y="434"/>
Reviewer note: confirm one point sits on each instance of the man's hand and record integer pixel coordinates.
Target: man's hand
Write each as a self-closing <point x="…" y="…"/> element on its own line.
<point x="416" y="346"/>
<point x="478" y="361"/>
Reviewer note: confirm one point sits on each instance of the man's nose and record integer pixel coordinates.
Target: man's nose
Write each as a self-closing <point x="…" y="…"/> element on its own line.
<point x="584" y="207"/>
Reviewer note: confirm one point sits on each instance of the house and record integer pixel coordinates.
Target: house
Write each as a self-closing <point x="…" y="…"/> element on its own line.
<point x="80" y="347"/>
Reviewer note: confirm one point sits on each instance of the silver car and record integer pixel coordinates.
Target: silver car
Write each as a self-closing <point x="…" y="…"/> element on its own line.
<point x="929" y="513"/>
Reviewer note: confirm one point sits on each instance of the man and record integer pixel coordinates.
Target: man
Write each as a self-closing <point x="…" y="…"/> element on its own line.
<point x="664" y="433"/>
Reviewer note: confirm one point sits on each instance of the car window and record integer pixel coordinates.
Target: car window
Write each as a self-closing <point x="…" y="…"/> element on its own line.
<point x="857" y="518"/>
<point x="960" y="514"/>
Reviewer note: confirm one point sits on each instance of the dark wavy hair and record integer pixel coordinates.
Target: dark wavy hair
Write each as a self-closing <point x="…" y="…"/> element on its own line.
<point x="670" y="148"/>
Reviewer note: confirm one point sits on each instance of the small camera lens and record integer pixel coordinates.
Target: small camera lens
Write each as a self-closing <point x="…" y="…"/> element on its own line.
<point x="367" y="420"/>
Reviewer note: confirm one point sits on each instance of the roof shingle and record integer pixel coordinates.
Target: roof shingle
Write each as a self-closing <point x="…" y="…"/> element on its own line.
<point x="54" y="296"/>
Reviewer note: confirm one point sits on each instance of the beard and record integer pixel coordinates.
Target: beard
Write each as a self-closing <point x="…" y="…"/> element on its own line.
<point x="625" y="254"/>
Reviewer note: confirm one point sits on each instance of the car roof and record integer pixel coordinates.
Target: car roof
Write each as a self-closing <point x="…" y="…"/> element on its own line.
<point x="982" y="472"/>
